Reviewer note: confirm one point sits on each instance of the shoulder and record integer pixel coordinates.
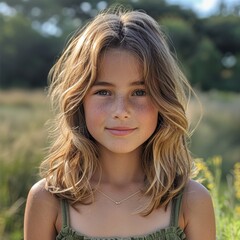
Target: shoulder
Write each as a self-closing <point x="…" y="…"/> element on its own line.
<point x="195" y="199"/>
<point x="39" y="195"/>
<point x="195" y="192"/>
<point x="41" y="213"/>
<point x="198" y="212"/>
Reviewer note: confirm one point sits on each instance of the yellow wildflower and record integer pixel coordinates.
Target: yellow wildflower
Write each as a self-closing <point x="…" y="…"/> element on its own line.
<point x="237" y="210"/>
<point x="217" y="161"/>
<point x="203" y="170"/>
<point x="210" y="186"/>
<point x="237" y="179"/>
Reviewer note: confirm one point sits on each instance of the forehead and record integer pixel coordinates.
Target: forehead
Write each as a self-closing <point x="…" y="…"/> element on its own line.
<point x="119" y="62"/>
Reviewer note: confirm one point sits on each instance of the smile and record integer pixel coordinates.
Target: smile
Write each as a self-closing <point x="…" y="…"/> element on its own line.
<point x="120" y="131"/>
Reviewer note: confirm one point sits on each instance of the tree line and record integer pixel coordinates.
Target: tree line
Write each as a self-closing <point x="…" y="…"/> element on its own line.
<point x="34" y="32"/>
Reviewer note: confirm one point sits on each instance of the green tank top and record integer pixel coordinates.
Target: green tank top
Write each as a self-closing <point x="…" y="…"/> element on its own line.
<point x="173" y="232"/>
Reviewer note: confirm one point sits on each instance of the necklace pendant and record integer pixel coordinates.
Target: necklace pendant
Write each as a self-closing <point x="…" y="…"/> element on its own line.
<point x="118" y="202"/>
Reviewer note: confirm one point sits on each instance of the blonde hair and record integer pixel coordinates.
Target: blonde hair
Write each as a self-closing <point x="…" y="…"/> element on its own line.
<point x="73" y="156"/>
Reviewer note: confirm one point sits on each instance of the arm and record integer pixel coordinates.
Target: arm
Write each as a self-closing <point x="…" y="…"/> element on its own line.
<point x="198" y="213"/>
<point x="40" y="214"/>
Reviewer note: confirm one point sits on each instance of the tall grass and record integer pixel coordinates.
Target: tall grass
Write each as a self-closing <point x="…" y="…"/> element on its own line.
<point x="23" y="139"/>
<point x="22" y="143"/>
<point x="219" y="130"/>
<point x="226" y="198"/>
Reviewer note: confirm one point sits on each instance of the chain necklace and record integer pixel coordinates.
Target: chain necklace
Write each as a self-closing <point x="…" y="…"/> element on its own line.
<point x="121" y="201"/>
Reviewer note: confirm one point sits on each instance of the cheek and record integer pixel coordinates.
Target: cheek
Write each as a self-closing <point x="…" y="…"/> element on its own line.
<point x="145" y="107"/>
<point x="94" y="111"/>
<point x="147" y="113"/>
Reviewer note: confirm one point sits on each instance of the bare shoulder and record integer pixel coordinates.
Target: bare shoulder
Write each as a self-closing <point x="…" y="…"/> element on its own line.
<point x="39" y="194"/>
<point x="41" y="213"/>
<point x="195" y="198"/>
<point x="195" y="192"/>
<point x="198" y="212"/>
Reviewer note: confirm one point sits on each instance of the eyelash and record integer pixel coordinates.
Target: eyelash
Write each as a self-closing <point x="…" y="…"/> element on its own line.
<point x="106" y="93"/>
<point x="140" y="90"/>
<point x="135" y="93"/>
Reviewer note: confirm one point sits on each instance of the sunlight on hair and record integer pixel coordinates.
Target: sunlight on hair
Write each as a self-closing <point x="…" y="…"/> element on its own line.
<point x="72" y="160"/>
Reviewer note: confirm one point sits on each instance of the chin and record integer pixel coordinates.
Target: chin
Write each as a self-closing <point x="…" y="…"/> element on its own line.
<point x="121" y="150"/>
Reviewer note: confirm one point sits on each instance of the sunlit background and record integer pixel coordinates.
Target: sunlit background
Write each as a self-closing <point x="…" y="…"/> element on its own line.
<point x="205" y="37"/>
<point x="205" y="8"/>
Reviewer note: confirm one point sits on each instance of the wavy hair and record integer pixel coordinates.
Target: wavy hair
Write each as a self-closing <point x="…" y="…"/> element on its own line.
<point x="73" y="156"/>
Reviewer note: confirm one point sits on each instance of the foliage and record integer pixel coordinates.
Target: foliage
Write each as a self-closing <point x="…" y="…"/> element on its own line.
<point x="226" y="199"/>
<point x="25" y="54"/>
<point x="22" y="117"/>
<point x="228" y="42"/>
<point x="181" y="34"/>
<point x="205" y="65"/>
<point x="33" y="35"/>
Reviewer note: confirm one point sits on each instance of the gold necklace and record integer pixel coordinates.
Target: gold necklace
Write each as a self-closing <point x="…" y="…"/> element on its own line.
<point x="121" y="201"/>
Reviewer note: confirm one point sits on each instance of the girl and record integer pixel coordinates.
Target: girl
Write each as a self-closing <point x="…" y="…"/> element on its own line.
<point x="119" y="167"/>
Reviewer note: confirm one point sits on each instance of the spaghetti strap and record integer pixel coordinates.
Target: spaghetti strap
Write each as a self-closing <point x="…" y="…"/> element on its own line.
<point x="65" y="213"/>
<point x="176" y="206"/>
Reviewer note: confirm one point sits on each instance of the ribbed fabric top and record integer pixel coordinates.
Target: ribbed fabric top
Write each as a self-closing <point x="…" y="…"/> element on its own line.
<point x="173" y="232"/>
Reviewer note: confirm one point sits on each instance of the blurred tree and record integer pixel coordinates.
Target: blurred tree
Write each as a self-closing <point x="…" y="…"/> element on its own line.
<point x="230" y="72"/>
<point x="222" y="7"/>
<point x="225" y="9"/>
<point x="40" y="10"/>
<point x="31" y="39"/>
<point x="25" y="55"/>
<point x="224" y="32"/>
<point x="43" y="10"/>
<point x="236" y="70"/>
<point x="205" y="66"/>
<point x="181" y="36"/>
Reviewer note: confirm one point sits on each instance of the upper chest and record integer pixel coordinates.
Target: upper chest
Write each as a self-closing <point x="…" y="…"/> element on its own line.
<point x="103" y="218"/>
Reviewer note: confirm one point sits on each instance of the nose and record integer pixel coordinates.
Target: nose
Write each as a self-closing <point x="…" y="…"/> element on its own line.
<point x="121" y="108"/>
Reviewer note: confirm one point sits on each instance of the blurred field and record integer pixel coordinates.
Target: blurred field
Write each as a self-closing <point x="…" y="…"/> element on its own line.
<point x="219" y="129"/>
<point x="22" y="142"/>
<point x="23" y="139"/>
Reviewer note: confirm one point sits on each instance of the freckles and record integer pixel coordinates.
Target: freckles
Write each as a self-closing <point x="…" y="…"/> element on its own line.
<point x="100" y="108"/>
<point x="144" y="107"/>
<point x="140" y="107"/>
<point x="103" y="105"/>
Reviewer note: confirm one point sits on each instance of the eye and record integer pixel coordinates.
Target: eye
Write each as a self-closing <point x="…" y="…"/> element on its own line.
<point x="103" y="93"/>
<point x="139" y="92"/>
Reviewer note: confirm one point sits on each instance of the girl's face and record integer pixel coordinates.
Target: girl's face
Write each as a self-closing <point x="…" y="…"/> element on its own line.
<point x="119" y="114"/>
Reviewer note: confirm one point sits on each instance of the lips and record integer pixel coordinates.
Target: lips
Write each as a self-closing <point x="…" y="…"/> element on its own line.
<point x="120" y="131"/>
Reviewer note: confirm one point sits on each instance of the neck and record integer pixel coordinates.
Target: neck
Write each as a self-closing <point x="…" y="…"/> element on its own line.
<point x="120" y="170"/>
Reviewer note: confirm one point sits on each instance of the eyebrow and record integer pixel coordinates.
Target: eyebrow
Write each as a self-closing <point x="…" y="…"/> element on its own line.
<point x="102" y="83"/>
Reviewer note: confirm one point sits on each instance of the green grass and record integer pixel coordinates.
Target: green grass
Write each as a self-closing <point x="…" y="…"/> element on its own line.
<point x="219" y="130"/>
<point x="23" y="140"/>
<point x="226" y="197"/>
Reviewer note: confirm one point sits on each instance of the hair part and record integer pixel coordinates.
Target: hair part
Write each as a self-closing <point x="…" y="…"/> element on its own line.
<point x="73" y="156"/>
